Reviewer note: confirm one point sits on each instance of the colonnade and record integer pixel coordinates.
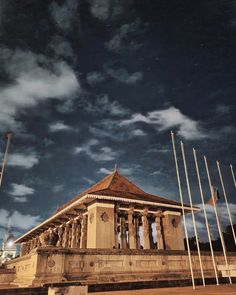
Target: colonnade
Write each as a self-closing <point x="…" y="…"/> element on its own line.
<point x="129" y="225"/>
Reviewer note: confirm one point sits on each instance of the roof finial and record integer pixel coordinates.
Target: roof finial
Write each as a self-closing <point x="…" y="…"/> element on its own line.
<point x="115" y="170"/>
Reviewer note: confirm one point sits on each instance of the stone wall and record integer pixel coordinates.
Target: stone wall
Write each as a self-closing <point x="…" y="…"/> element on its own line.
<point x="48" y="265"/>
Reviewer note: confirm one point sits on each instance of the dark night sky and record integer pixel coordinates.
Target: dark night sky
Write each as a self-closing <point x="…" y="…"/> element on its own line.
<point x="85" y="84"/>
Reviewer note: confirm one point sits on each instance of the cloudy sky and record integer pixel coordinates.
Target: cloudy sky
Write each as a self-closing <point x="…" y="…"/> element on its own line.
<point x="87" y="84"/>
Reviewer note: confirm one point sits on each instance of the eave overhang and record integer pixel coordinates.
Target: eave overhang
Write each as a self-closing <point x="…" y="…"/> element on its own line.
<point x="86" y="199"/>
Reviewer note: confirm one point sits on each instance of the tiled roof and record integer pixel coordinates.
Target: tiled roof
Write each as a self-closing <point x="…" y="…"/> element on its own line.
<point x="117" y="185"/>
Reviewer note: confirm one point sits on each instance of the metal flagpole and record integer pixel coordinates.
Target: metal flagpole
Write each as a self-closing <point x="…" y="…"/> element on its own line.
<point x="226" y="200"/>
<point x="193" y="217"/>
<point x="217" y="218"/>
<point x="232" y="172"/>
<point x="182" y="204"/>
<point x="8" y="136"/>
<point x="205" y="215"/>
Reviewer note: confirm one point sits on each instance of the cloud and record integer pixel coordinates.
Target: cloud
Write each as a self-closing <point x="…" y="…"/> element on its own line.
<point x="64" y="15"/>
<point x="138" y="132"/>
<point x="59" y="126"/>
<point x="21" y="190"/>
<point x="103" y="105"/>
<point x="125" y="37"/>
<point x="88" y="180"/>
<point x="169" y="118"/>
<point x="26" y="161"/>
<point x="96" y="153"/>
<point x="104" y="171"/>
<point x="94" y="78"/>
<point x="18" y="220"/>
<point x="105" y="9"/>
<point x="123" y="76"/>
<point x="61" y="47"/>
<point x="36" y="79"/>
<point x="222" y="109"/>
<point x="58" y="188"/>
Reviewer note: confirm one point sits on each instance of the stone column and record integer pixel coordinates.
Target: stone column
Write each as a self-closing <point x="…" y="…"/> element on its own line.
<point x="65" y="241"/>
<point x="83" y="240"/>
<point x="116" y="212"/>
<point x="132" y="236"/>
<point x="136" y="222"/>
<point x="23" y="249"/>
<point x="160" y="242"/>
<point x="77" y="234"/>
<point x="146" y="241"/>
<point x="123" y="239"/>
<point x="73" y="243"/>
<point x="60" y="235"/>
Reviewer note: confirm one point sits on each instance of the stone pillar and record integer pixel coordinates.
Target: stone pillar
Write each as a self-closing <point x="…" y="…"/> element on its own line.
<point x="146" y="241"/>
<point x="73" y="243"/>
<point x="23" y="249"/>
<point x="116" y="212"/>
<point x="160" y="243"/>
<point x="83" y="239"/>
<point x="77" y="234"/>
<point x="132" y="236"/>
<point x="136" y="222"/>
<point x="101" y="231"/>
<point x="65" y="241"/>
<point x="172" y="228"/>
<point x="123" y="238"/>
<point x="60" y="232"/>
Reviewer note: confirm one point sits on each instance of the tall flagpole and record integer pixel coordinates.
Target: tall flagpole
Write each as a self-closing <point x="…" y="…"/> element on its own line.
<point x="205" y="215"/>
<point x="232" y="172"/>
<point x="217" y="218"/>
<point x="193" y="217"/>
<point x="8" y="136"/>
<point x="226" y="200"/>
<point x="182" y="205"/>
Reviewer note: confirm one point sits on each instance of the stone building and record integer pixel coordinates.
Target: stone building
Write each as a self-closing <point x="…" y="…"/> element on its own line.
<point x="112" y="214"/>
<point x="113" y="232"/>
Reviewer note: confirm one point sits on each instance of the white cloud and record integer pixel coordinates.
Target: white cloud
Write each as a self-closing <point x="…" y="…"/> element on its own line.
<point x="26" y="161"/>
<point x="21" y="190"/>
<point x="138" y="132"/>
<point x="20" y="199"/>
<point x="18" y="220"/>
<point x="59" y="126"/>
<point x="88" y="180"/>
<point x="124" y="38"/>
<point x="103" y="105"/>
<point x="104" y="171"/>
<point x="94" y="78"/>
<point x="96" y="153"/>
<point x="169" y="118"/>
<point x="222" y="109"/>
<point x="64" y="15"/>
<point x="57" y="188"/>
<point x="36" y="79"/>
<point x="123" y="76"/>
<point x="105" y="9"/>
<point x="61" y="47"/>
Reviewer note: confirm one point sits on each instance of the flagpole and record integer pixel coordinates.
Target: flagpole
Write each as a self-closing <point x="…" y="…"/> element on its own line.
<point x="182" y="205"/>
<point x="226" y="200"/>
<point x="205" y="215"/>
<point x="193" y="217"/>
<point x="232" y="172"/>
<point x="8" y="136"/>
<point x="217" y="218"/>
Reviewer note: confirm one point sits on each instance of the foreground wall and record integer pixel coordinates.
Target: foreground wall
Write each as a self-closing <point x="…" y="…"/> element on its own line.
<point x="47" y="265"/>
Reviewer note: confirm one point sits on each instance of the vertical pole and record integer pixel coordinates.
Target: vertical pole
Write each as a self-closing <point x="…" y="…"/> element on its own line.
<point x="193" y="217"/>
<point x="8" y="136"/>
<point x="232" y="172"/>
<point x="205" y="215"/>
<point x="182" y="205"/>
<point x="226" y="200"/>
<point x="217" y="218"/>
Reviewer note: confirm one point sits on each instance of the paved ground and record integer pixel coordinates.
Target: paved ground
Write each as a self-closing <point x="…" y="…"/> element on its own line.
<point x="208" y="290"/>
